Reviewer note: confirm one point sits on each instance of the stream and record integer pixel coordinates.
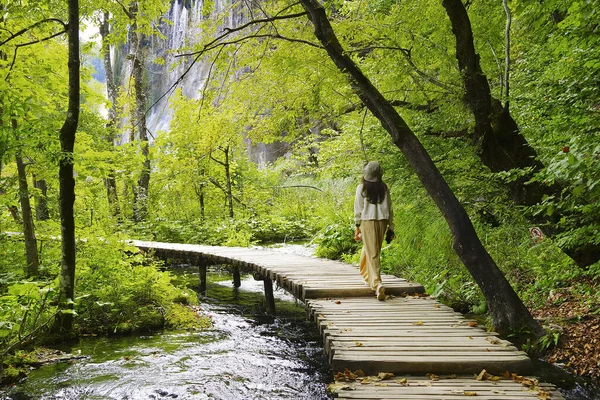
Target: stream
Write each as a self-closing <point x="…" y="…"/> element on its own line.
<point x="246" y="355"/>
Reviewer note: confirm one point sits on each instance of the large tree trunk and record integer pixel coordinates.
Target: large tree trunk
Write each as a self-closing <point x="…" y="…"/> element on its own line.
<point x="141" y="190"/>
<point x="502" y="146"/>
<point x="31" y="250"/>
<point x="65" y="176"/>
<point x="507" y="311"/>
<point x="111" y="88"/>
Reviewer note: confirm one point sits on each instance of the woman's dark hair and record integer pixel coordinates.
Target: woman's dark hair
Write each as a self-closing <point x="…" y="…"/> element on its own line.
<point x="374" y="191"/>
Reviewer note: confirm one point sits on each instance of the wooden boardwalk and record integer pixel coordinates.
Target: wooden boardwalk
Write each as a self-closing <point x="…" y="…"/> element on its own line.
<point x="432" y="351"/>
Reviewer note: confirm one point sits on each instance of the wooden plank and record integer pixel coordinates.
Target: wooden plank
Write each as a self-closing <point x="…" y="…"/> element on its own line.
<point x="418" y="388"/>
<point x="422" y="364"/>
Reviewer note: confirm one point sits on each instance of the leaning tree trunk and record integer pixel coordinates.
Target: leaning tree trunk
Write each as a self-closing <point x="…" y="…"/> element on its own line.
<point x="507" y="311"/>
<point x="65" y="176"/>
<point x="31" y="250"/>
<point x="502" y="146"/>
<point x="111" y="88"/>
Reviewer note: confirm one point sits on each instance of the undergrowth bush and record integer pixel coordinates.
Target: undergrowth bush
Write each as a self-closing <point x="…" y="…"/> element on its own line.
<point x="336" y="240"/>
<point x="121" y="292"/>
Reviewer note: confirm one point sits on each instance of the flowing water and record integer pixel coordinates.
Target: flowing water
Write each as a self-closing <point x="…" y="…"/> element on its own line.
<point x="247" y="355"/>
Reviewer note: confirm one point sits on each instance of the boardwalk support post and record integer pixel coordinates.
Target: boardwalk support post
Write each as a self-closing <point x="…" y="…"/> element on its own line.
<point x="202" y="270"/>
<point x="237" y="282"/>
<point x="270" y="299"/>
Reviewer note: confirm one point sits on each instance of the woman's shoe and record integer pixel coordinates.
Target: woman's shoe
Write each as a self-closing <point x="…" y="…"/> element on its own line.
<point x="380" y="292"/>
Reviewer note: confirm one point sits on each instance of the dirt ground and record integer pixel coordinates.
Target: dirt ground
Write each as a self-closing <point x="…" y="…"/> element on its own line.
<point x="577" y="321"/>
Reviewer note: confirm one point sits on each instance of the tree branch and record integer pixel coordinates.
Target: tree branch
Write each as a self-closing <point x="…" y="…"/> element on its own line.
<point x="25" y="30"/>
<point x="218" y="185"/>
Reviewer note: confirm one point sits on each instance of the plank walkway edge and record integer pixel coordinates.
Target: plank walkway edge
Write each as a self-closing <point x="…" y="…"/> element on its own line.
<point x="409" y="334"/>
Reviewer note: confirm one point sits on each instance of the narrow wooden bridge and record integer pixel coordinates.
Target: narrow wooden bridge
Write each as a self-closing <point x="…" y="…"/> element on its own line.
<point x="432" y="351"/>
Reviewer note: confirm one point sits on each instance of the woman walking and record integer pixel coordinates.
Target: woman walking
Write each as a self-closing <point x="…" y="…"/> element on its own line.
<point x="373" y="217"/>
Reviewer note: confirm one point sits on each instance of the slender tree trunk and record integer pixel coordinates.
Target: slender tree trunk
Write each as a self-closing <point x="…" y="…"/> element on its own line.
<point x="228" y="181"/>
<point x="41" y="207"/>
<point x="507" y="311"/>
<point x="141" y="191"/>
<point x="111" y="88"/>
<point x="502" y="146"/>
<point x="31" y="250"/>
<point x="65" y="175"/>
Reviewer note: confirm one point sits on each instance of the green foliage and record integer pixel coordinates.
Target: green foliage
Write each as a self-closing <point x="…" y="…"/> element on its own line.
<point x="120" y="292"/>
<point x="336" y="239"/>
<point x="179" y="316"/>
<point x="26" y="310"/>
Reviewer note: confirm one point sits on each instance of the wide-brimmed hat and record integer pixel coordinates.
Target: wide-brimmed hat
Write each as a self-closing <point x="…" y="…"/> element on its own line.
<point x="372" y="172"/>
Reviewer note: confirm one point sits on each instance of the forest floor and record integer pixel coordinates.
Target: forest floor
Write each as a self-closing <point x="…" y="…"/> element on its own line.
<point x="577" y="320"/>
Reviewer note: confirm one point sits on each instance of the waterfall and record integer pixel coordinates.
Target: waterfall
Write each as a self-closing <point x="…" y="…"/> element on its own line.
<point x="183" y="30"/>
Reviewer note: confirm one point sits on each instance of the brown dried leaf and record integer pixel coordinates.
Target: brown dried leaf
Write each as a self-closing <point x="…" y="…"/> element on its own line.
<point x="385" y="375"/>
<point x="433" y="377"/>
<point x="335" y="387"/>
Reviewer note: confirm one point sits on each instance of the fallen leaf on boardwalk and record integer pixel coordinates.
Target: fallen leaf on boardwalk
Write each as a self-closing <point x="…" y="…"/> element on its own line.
<point x="335" y="387"/>
<point x="385" y="375"/>
<point x="467" y="393"/>
<point x="366" y="381"/>
<point x="418" y="323"/>
<point x="358" y="344"/>
<point x="470" y="337"/>
<point x="359" y="372"/>
<point x="498" y="392"/>
<point x="433" y="377"/>
<point x="338" y="302"/>
<point x="484" y="376"/>
<point x="529" y="382"/>
<point x="543" y="394"/>
<point x="436" y="306"/>
<point x="403" y="382"/>
<point x="347" y="375"/>
<point x="481" y="375"/>
<point x="380" y="384"/>
<point x="453" y="376"/>
<point x="421" y="383"/>
<point x="472" y="324"/>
